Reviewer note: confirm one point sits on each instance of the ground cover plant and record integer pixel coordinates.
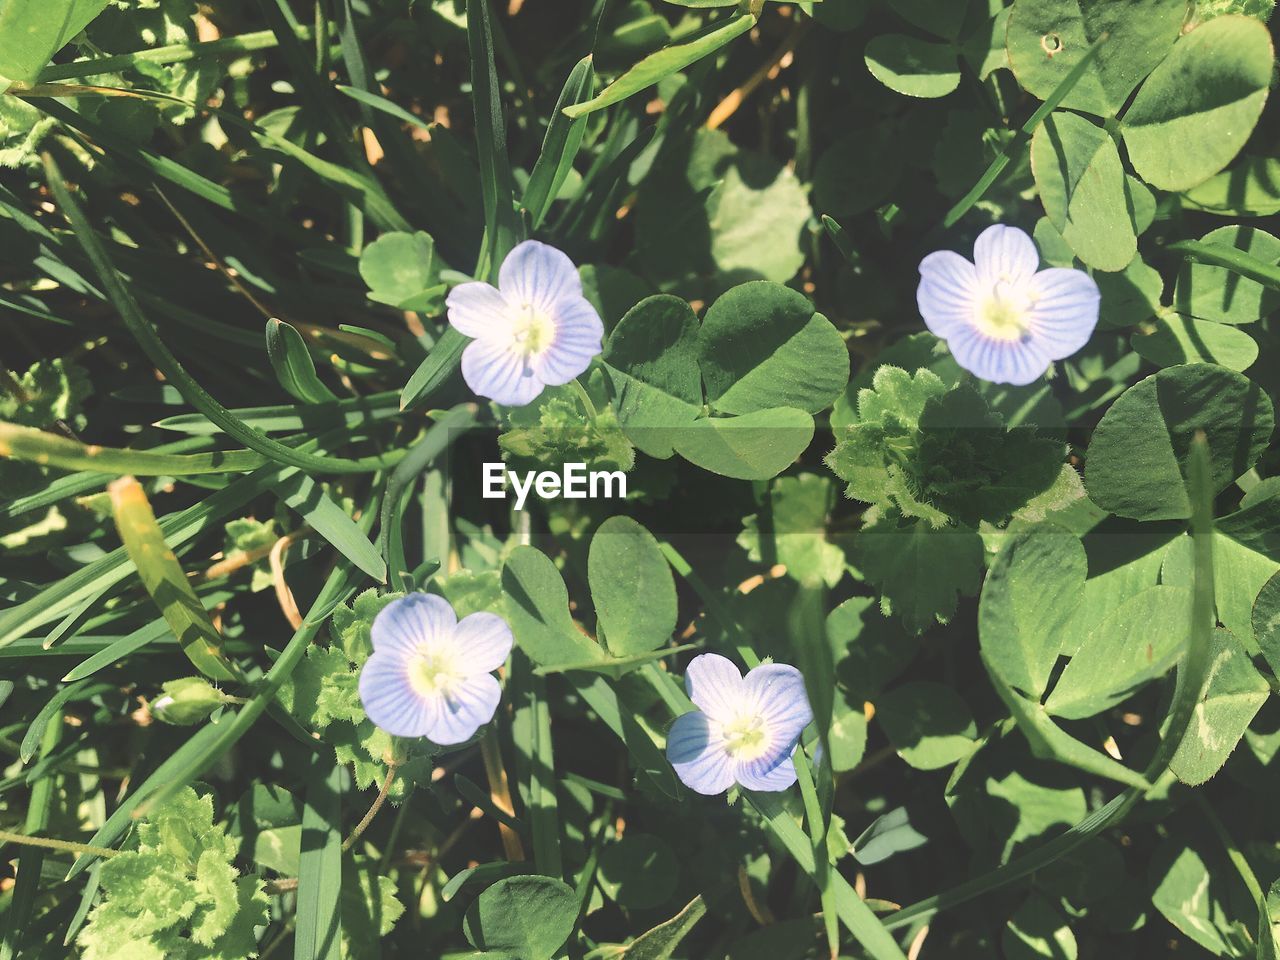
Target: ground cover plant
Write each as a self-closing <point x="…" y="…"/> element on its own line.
<point x="914" y="361"/>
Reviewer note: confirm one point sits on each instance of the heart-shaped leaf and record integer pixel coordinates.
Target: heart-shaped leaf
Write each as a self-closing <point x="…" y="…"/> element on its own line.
<point x="1198" y="107"/>
<point x="1047" y="38"/>
<point x="1137" y="460"/>
<point x="762" y="346"/>
<point x="1030" y="595"/>
<point x="1082" y="186"/>
<point x="529" y="917"/>
<point x="913" y="67"/>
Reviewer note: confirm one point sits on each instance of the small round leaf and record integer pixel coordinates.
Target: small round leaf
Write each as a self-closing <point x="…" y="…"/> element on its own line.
<point x="631" y="587"/>
<point x="915" y="68"/>
<point x="528" y="916"/>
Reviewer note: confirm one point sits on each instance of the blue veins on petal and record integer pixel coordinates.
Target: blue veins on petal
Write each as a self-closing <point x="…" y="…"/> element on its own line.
<point x="696" y="753"/>
<point x="411" y="620"/>
<point x="744" y="729"/>
<point x="534" y="330"/>
<point x="1003" y="318"/>
<point x="430" y="674"/>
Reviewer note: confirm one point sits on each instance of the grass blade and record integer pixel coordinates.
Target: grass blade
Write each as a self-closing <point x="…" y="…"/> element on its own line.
<point x="660" y="942"/>
<point x="293" y="366"/>
<point x="50" y="449"/>
<point x="500" y="222"/>
<point x="52" y="710"/>
<point x="149" y="166"/>
<point x="853" y="912"/>
<point x="1019" y="142"/>
<point x="118" y="650"/>
<point x="211" y="742"/>
<point x="381" y="103"/>
<point x="165" y="581"/>
<point x="1193" y="671"/>
<point x="448" y="428"/>
<point x="59" y="598"/>
<point x="665" y="62"/>
<point x="330" y="521"/>
<point x="431" y="374"/>
<point x="318" y="931"/>
<point x="531" y="737"/>
<point x="357" y="186"/>
<point x="171" y="53"/>
<point x="840" y="237"/>
<point x="159" y="353"/>
<point x="480" y="799"/>
<point x="560" y="146"/>
<point x="817" y="823"/>
<point x="66" y="594"/>
<point x="31" y="859"/>
<point x="1105" y="816"/>
<point x="1221" y="255"/>
<point x="81" y="646"/>
<point x="288" y="417"/>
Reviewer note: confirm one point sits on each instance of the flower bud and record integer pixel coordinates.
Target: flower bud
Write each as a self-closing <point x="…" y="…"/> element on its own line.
<point x="186" y="701"/>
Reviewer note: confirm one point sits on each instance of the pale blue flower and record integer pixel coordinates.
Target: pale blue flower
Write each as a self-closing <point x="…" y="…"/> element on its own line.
<point x="534" y="330"/>
<point x="1003" y="318"/>
<point x="430" y="674"/>
<point x="745" y="728"/>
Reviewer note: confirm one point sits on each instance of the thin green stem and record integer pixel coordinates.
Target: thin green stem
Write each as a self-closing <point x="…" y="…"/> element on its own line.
<point x="585" y="397"/>
<point x="48" y="449"/>
<point x="619" y="662"/>
<point x="160" y="355"/>
<point x="588" y="875"/>
<point x="711" y="601"/>
<point x="66" y="846"/>
<point x="172" y="53"/>
<point x="1221" y="255"/>
<point x="1006" y="155"/>
<point x="1234" y="853"/>
<point x="500" y="793"/>
<point x="1193" y="672"/>
<point x="378" y="801"/>
<point x="821" y="859"/>
<point x="1015" y="870"/>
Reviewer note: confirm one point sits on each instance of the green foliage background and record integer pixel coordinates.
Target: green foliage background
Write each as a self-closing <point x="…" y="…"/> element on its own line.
<point x="1039" y="626"/>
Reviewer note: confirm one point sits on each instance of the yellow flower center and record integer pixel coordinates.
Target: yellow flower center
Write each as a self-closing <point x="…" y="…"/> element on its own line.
<point x="746" y="737"/>
<point x="1006" y="313"/>
<point x="433" y="673"/>
<point x="532" y="331"/>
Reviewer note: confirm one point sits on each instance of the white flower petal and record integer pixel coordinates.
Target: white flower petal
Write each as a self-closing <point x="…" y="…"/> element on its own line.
<point x="469" y="705"/>
<point x="777" y="690"/>
<point x="483" y="642"/>
<point x="714" y="685"/>
<point x="1016" y="362"/>
<point x="948" y="293"/>
<point x="539" y="275"/>
<point x="1006" y="253"/>
<point x="389" y="699"/>
<point x="578" y="340"/>
<point x="1065" y="311"/>
<point x="496" y="371"/>
<point x="478" y="310"/>
<point x="409" y="622"/>
<point x="698" y="756"/>
<point x="758" y="776"/>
